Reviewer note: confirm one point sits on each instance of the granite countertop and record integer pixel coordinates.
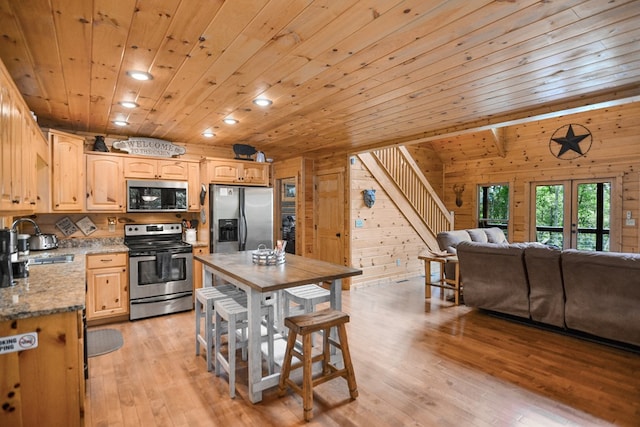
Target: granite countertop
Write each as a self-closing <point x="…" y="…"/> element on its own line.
<point x="52" y="288"/>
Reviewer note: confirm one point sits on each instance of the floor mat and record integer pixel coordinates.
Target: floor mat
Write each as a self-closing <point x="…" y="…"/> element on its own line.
<point x="103" y="341"/>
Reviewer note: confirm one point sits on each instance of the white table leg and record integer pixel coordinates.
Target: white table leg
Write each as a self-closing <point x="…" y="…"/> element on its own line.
<point x="255" y="355"/>
<point x="280" y="312"/>
<point x="336" y="294"/>
<point x="207" y="276"/>
<point x="336" y="304"/>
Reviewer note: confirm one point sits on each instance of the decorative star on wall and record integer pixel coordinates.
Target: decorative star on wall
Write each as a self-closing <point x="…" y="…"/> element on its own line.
<point x="570" y="146"/>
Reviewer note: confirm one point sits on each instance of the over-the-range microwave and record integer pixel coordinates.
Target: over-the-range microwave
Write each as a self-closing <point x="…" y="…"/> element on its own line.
<point x="156" y="196"/>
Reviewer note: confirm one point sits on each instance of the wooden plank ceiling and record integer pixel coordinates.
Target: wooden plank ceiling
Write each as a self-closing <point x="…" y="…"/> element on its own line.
<point x="344" y="76"/>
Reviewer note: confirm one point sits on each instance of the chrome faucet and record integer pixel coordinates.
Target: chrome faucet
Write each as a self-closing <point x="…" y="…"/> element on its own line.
<point x="19" y="220"/>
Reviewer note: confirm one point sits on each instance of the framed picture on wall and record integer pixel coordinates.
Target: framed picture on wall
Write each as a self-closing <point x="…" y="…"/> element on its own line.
<point x="288" y="192"/>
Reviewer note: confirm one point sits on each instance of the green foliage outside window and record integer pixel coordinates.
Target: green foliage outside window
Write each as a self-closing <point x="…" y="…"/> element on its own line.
<point x="594" y="213"/>
<point x="493" y="206"/>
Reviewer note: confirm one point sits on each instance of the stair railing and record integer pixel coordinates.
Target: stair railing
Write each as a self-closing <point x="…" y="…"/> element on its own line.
<point x="402" y="169"/>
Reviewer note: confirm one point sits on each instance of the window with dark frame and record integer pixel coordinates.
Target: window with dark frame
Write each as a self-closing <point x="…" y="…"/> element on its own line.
<point x="493" y="206"/>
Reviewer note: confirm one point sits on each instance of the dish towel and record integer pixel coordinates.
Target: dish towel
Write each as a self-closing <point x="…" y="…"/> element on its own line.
<point x="163" y="265"/>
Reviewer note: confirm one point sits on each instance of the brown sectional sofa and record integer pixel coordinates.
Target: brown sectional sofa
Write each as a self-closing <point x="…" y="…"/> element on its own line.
<point x="448" y="240"/>
<point x="603" y="294"/>
<point x="596" y="293"/>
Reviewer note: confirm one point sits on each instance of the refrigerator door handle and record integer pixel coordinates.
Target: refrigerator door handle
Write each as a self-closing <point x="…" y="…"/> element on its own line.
<point x="242" y="228"/>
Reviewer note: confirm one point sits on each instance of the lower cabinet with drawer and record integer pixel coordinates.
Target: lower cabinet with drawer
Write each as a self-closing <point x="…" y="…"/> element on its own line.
<point x="107" y="287"/>
<point x="197" y="267"/>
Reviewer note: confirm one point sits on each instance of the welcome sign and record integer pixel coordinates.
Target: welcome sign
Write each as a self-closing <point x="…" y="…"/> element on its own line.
<point x="149" y="147"/>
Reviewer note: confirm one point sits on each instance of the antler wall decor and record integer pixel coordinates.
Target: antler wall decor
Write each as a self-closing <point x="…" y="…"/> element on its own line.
<point x="458" y="190"/>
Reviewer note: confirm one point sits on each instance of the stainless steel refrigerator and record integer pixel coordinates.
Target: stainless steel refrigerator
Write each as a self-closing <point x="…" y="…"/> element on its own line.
<point x="241" y="218"/>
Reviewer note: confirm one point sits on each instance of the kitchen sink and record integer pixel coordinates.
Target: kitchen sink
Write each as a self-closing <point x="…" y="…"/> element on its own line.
<point x="51" y="259"/>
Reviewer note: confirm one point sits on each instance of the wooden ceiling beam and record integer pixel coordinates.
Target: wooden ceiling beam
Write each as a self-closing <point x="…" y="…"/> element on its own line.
<point x="623" y="96"/>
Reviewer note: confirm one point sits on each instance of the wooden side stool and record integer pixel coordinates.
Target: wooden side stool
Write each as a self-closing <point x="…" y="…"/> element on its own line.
<point x="304" y="325"/>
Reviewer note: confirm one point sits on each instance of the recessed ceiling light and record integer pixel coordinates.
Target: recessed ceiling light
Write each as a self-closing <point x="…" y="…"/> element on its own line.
<point x="262" y="102"/>
<point x="120" y="123"/>
<point x="139" y="75"/>
<point x="230" y="121"/>
<point x="208" y="134"/>
<point x="128" y="104"/>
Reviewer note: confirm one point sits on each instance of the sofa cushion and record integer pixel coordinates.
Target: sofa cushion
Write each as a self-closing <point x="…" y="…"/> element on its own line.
<point x="478" y="235"/>
<point x="602" y="292"/>
<point x="546" y="292"/>
<point x="448" y="240"/>
<point x="495" y="235"/>
<point x="494" y="277"/>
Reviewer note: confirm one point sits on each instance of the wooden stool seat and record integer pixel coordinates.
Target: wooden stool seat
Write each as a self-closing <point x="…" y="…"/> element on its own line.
<point x="304" y="325"/>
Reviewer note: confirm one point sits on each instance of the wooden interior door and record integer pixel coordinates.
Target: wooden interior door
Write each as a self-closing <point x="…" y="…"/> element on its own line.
<point x="330" y="218"/>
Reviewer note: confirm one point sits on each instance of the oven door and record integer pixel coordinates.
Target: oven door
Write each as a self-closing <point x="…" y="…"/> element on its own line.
<point x="161" y="274"/>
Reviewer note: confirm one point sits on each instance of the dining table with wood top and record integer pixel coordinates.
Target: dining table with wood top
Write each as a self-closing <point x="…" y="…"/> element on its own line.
<point x="257" y="280"/>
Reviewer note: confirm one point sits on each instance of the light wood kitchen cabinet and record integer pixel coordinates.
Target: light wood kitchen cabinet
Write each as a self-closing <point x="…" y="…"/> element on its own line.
<point x="105" y="183"/>
<point x="18" y="156"/>
<point x="67" y="182"/>
<point x="10" y="190"/>
<point x="44" y="385"/>
<point x="107" y="286"/>
<point x="155" y="169"/>
<point x="193" y="169"/>
<point x="238" y="172"/>
<point x="197" y="266"/>
<point x="29" y="166"/>
<point x="24" y="156"/>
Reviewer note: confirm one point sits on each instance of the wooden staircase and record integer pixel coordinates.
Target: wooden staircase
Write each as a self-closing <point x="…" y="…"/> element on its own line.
<point x="402" y="179"/>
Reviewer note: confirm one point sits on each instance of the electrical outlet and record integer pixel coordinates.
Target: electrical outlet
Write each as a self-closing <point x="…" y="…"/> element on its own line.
<point x="359" y="223"/>
<point x="398" y="263"/>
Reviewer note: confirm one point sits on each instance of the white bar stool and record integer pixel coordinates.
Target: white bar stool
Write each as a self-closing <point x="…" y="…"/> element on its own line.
<point x="205" y="297"/>
<point x="306" y="297"/>
<point x="233" y="313"/>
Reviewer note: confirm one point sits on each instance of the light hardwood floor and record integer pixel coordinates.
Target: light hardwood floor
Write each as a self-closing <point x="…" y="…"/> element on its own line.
<point x="417" y="363"/>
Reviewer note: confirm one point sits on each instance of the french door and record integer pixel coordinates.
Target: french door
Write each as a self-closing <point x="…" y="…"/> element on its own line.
<point x="573" y="214"/>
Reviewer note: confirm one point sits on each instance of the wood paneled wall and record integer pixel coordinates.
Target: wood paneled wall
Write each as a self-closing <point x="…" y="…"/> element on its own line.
<point x="615" y="152"/>
<point x="386" y="246"/>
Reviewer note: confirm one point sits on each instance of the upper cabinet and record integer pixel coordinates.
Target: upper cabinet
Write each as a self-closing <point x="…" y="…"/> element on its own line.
<point x="20" y="140"/>
<point x="10" y="155"/>
<point x="194" y="186"/>
<point x="105" y="183"/>
<point x="67" y="182"/>
<point x="238" y="172"/>
<point x="155" y="169"/>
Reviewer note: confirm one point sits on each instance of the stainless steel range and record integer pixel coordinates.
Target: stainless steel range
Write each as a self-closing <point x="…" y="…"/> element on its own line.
<point x="160" y="270"/>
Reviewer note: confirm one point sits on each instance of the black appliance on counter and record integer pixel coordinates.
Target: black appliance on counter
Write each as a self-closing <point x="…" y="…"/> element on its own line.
<point x="160" y="270"/>
<point x="8" y="255"/>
